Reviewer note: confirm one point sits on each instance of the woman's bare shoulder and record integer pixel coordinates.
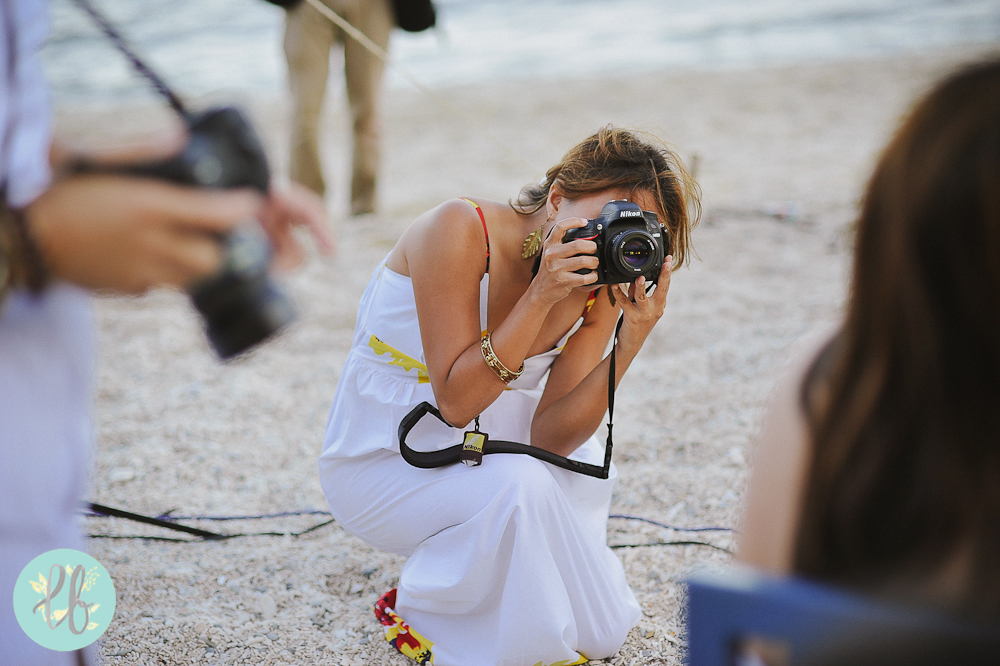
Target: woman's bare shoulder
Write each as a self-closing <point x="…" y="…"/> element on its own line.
<point x="449" y="229"/>
<point x="780" y="463"/>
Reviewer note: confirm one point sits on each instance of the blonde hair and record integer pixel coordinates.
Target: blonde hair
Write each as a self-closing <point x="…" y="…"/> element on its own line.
<point x="614" y="158"/>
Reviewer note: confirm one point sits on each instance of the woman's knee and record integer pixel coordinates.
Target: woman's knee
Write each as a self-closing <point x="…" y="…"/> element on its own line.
<point x="503" y="484"/>
<point x="527" y="484"/>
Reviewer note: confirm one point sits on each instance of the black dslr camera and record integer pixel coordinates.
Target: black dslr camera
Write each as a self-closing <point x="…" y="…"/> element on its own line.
<point x="240" y="303"/>
<point x="630" y="242"/>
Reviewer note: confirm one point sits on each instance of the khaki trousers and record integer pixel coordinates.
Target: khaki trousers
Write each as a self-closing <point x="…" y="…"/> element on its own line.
<point x="309" y="37"/>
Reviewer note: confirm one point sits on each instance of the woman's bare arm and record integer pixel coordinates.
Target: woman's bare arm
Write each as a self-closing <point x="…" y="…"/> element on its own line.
<point x="576" y="395"/>
<point x="445" y="256"/>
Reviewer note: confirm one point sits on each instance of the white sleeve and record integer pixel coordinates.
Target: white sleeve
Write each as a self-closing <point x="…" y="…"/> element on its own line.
<point x="25" y="115"/>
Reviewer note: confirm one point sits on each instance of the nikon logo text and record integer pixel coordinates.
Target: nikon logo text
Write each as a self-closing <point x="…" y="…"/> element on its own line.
<point x="630" y="213"/>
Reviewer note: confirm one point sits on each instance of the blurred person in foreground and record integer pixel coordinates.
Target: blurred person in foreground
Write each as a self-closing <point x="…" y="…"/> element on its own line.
<point x="59" y="238"/>
<point x="878" y="465"/>
<point x="508" y="561"/>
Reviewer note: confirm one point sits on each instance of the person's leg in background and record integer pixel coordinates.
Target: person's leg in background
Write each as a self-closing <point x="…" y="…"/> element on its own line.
<point x="308" y="38"/>
<point x="363" y="72"/>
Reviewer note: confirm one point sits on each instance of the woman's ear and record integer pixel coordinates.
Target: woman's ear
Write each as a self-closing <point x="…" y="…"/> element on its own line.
<point x="553" y="201"/>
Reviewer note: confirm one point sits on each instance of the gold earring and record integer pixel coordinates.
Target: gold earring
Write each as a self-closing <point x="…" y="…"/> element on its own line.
<point x="533" y="243"/>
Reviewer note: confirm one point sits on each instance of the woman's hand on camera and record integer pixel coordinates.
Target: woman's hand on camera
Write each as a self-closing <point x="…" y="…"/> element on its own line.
<point x="557" y="277"/>
<point x="641" y="311"/>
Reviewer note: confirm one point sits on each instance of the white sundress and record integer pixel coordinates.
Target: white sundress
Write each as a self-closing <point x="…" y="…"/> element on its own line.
<point x="508" y="562"/>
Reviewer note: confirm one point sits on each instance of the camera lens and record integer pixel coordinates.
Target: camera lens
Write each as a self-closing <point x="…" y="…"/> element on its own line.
<point x="634" y="251"/>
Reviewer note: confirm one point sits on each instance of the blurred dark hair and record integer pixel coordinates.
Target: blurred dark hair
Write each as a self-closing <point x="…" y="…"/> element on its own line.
<point x="904" y="404"/>
<point x="614" y="158"/>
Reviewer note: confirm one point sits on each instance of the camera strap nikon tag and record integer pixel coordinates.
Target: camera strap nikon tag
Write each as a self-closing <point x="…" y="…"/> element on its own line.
<point x="476" y="444"/>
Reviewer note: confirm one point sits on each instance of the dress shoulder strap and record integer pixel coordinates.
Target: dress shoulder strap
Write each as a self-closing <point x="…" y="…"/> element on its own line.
<point x="485" y="230"/>
<point x="590" y="302"/>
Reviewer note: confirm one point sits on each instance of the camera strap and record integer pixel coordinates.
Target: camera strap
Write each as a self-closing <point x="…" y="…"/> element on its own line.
<point x="453" y="454"/>
<point x="137" y="63"/>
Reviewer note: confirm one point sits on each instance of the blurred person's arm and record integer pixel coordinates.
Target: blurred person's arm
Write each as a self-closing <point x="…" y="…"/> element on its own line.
<point x="780" y="464"/>
<point x="129" y="234"/>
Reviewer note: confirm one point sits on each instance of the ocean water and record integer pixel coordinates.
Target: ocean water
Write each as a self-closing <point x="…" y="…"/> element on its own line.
<point x="222" y="47"/>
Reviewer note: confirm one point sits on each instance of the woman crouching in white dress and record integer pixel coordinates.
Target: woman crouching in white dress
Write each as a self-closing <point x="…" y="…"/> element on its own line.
<point x="508" y="561"/>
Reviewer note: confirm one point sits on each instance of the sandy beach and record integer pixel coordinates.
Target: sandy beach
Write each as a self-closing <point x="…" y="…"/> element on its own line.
<point x="782" y="155"/>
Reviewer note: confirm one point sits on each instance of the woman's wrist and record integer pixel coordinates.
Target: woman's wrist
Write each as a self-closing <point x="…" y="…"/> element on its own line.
<point x="536" y="301"/>
<point x="21" y="262"/>
<point x="625" y="346"/>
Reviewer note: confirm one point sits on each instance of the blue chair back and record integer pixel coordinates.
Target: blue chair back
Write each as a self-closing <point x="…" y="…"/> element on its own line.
<point x="725" y="610"/>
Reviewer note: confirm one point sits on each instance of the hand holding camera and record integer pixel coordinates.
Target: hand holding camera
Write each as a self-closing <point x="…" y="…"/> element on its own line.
<point x="172" y="224"/>
<point x="631" y="243"/>
<point x="627" y="243"/>
<point x="641" y="310"/>
<point x="117" y="234"/>
<point x="626" y="248"/>
<point x="190" y="220"/>
<point x="632" y="249"/>
<point x="240" y="304"/>
<point x="562" y="267"/>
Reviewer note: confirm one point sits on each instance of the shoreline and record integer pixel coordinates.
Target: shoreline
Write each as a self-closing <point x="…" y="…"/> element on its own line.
<point x="527" y="122"/>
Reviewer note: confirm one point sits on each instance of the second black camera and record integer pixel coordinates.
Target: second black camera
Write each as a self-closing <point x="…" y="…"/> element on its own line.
<point x="240" y="304"/>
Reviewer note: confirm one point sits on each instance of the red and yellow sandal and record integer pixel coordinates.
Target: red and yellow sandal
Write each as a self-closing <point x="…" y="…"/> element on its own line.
<point x="411" y="644"/>
<point x="399" y="634"/>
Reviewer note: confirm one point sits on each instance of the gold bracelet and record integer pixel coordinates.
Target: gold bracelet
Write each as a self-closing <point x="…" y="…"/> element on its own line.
<point x="505" y="375"/>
